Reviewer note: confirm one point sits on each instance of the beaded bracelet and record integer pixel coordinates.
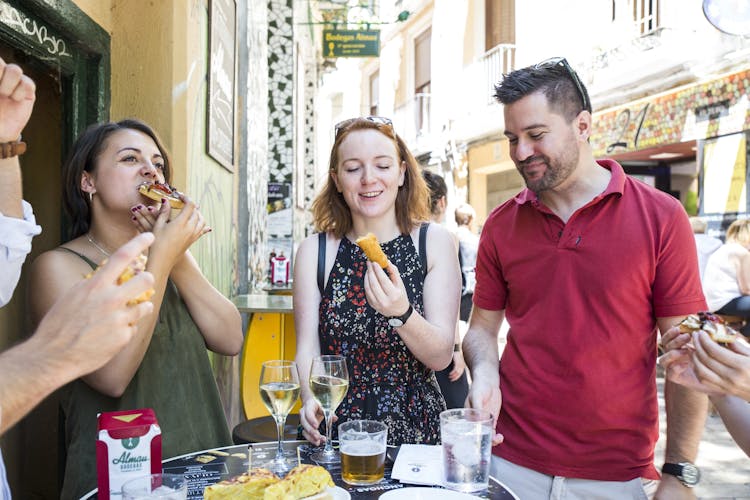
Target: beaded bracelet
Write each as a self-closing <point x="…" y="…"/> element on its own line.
<point x="11" y="149"/>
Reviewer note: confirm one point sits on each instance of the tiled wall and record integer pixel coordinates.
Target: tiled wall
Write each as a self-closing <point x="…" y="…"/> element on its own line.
<point x="280" y="90"/>
<point x="257" y="138"/>
<point x="279" y="235"/>
<point x="271" y="132"/>
<point x="305" y="79"/>
<point x="305" y="219"/>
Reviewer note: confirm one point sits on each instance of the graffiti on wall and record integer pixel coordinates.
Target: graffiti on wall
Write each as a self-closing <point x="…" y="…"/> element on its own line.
<point x="42" y="35"/>
<point x="717" y="107"/>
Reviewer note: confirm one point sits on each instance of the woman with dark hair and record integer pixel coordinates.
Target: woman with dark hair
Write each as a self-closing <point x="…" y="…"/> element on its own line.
<point x="453" y="380"/>
<point x="165" y="367"/>
<point x="395" y="326"/>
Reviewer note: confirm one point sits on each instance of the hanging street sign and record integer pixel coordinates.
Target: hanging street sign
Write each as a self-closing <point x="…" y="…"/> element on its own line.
<point x="351" y="43"/>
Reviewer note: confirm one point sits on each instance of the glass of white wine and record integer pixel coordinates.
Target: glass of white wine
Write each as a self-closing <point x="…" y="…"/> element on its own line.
<point x="329" y="381"/>
<point x="279" y="390"/>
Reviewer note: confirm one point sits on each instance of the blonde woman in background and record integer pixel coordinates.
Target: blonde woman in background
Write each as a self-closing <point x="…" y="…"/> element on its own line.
<point x="726" y="282"/>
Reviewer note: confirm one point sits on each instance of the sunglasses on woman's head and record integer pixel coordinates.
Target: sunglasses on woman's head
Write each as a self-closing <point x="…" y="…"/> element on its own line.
<point x="561" y="61"/>
<point x="379" y="120"/>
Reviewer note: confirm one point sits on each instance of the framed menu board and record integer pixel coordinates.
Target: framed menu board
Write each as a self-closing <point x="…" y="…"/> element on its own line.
<point x="221" y="63"/>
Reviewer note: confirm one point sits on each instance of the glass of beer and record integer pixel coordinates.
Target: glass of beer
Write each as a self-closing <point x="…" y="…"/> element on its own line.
<point x="279" y="390"/>
<point x="329" y="382"/>
<point x="362" y="444"/>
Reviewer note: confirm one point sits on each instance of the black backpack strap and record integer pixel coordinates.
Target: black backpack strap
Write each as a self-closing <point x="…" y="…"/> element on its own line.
<point x="461" y="267"/>
<point x="321" y="260"/>
<point x="423" y="246"/>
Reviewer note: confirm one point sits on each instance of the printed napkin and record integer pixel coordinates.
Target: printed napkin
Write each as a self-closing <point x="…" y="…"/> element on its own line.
<point x="420" y="464"/>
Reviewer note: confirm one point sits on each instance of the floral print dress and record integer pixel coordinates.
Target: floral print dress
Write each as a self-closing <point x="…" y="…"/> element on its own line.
<point x="387" y="383"/>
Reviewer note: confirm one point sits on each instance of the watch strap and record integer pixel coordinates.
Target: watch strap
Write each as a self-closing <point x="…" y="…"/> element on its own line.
<point x="404" y="317"/>
<point x="672" y="469"/>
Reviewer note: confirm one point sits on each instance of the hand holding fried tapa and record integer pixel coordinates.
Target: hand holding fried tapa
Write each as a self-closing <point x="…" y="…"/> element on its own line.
<point x="369" y="244"/>
<point x="136" y="266"/>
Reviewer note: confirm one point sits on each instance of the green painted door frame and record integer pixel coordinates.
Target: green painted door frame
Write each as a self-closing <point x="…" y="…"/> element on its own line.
<point x="61" y="37"/>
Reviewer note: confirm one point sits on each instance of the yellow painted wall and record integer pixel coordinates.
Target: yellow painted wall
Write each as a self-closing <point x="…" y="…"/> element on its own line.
<point x="143" y="73"/>
<point x="98" y="10"/>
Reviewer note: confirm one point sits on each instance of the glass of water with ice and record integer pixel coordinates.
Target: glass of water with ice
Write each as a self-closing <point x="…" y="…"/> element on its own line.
<point x="466" y="434"/>
<point x="156" y="486"/>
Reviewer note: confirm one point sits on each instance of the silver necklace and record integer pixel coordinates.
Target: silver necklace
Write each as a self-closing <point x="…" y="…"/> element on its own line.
<point x="98" y="247"/>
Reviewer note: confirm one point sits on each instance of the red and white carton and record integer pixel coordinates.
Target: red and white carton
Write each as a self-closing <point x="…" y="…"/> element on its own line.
<point x="128" y="446"/>
<point x="279" y="270"/>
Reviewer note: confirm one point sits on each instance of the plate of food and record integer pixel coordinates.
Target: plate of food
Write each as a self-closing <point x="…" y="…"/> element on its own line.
<point x="331" y="493"/>
<point x="310" y="482"/>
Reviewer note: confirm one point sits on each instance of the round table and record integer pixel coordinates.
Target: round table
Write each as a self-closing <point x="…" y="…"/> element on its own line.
<point x="204" y="468"/>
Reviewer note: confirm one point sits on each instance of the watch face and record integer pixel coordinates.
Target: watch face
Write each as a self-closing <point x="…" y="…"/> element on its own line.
<point x="395" y="322"/>
<point x="690" y="474"/>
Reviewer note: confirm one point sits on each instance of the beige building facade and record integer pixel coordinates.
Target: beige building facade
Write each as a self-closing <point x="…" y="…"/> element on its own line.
<point x="436" y="72"/>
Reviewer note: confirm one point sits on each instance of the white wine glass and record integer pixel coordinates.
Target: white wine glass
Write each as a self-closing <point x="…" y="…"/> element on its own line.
<point x="329" y="381"/>
<point x="279" y="390"/>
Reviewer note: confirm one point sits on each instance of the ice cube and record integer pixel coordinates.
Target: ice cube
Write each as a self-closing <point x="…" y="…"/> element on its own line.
<point x="466" y="452"/>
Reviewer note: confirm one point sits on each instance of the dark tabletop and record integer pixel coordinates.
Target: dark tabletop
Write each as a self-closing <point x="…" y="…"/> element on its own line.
<point x="208" y="467"/>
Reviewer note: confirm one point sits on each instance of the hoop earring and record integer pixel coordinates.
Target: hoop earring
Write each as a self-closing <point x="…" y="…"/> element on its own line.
<point x="91" y="197"/>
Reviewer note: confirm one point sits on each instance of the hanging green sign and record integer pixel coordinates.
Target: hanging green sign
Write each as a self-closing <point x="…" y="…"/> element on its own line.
<point x="351" y="43"/>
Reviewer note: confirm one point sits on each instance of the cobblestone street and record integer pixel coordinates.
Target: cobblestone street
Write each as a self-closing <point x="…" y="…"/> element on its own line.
<point x="724" y="467"/>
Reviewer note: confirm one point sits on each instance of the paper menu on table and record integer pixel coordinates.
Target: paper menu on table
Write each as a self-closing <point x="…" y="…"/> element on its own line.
<point x="419" y="464"/>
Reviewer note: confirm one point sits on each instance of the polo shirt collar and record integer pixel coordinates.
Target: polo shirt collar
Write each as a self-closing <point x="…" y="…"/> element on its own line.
<point x="615" y="186"/>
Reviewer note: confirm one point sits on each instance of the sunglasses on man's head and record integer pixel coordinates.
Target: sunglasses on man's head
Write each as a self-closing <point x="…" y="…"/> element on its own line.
<point x="561" y="61"/>
<point x="379" y="120"/>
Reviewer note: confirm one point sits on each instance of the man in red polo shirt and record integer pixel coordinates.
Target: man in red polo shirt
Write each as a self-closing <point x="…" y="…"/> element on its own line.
<point x="584" y="264"/>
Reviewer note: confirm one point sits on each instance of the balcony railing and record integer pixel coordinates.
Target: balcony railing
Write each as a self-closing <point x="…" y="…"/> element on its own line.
<point x="412" y="120"/>
<point x="497" y="61"/>
<point x="422" y="114"/>
<point x="421" y="122"/>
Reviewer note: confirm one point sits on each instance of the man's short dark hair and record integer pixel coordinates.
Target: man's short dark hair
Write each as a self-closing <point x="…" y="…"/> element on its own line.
<point x="555" y="82"/>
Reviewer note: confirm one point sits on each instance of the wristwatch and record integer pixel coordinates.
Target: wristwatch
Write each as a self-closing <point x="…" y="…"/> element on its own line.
<point x="687" y="473"/>
<point x="396" y="321"/>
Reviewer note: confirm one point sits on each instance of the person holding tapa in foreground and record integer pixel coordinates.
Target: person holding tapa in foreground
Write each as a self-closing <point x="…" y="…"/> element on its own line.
<point x="710" y="357"/>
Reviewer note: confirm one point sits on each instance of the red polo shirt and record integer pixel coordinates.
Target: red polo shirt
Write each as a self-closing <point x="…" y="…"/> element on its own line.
<point x="578" y="371"/>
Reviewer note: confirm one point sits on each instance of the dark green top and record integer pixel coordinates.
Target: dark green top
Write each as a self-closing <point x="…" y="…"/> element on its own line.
<point x="175" y="379"/>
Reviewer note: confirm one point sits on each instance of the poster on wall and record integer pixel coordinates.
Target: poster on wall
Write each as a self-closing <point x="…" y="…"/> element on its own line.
<point x="220" y="102"/>
<point x="280" y="213"/>
<point x="279" y="209"/>
<point x="724" y="183"/>
<point x="724" y="174"/>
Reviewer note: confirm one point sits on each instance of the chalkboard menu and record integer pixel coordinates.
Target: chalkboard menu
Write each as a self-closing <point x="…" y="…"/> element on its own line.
<point x="220" y="102"/>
